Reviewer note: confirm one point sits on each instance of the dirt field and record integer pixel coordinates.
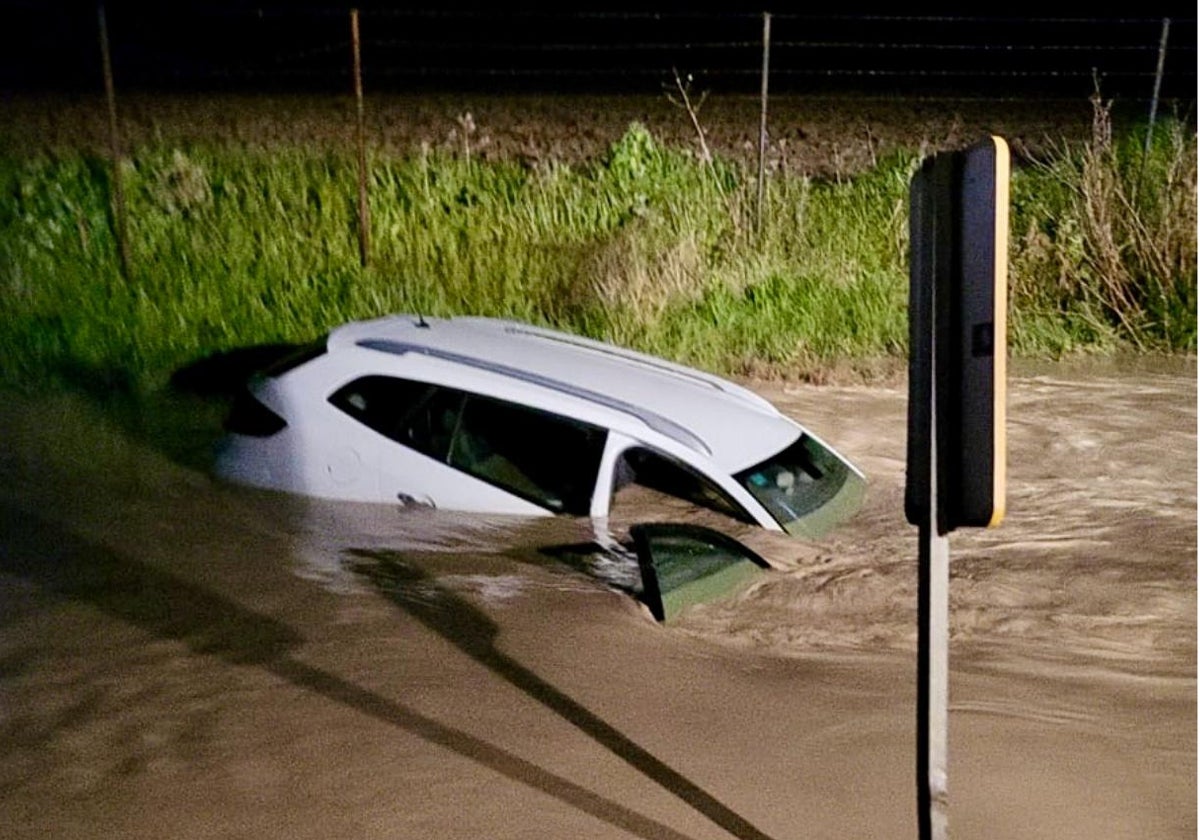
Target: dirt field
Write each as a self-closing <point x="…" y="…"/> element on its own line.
<point x="812" y="135"/>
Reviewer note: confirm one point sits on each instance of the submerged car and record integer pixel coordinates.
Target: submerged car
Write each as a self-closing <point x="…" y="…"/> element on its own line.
<point x="495" y="416"/>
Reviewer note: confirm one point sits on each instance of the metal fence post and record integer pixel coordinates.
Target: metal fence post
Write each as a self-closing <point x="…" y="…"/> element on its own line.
<point x="114" y="146"/>
<point x="364" y="214"/>
<point x="762" y="125"/>
<point x="1158" y="74"/>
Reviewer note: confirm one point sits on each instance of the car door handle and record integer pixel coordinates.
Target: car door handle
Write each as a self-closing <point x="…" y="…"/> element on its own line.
<point x="406" y="500"/>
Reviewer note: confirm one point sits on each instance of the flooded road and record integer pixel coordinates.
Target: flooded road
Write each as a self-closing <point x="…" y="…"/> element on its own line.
<point x="1094" y="562"/>
<point x="184" y="658"/>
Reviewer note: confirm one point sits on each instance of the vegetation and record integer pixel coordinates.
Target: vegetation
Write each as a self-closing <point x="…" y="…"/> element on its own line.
<point x="231" y="247"/>
<point x="1104" y="249"/>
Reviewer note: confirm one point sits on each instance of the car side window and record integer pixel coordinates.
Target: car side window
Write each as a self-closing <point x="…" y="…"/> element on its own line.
<point x="383" y="403"/>
<point x="431" y="425"/>
<point x="666" y="475"/>
<point x="546" y="458"/>
<point x="421" y="416"/>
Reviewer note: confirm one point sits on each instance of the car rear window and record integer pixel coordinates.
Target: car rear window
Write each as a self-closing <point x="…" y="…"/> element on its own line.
<point x="305" y="353"/>
<point x="248" y="416"/>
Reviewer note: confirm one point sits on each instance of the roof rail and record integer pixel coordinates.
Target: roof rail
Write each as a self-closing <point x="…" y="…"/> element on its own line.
<point x="611" y="350"/>
<point x="655" y="421"/>
<point x="634" y="357"/>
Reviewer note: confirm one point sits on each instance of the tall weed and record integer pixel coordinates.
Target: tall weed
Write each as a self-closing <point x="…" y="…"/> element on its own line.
<point x="1105" y="243"/>
<point x="648" y="246"/>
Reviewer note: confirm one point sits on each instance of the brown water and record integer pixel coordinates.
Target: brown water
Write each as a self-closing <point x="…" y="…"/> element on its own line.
<point x="187" y="659"/>
<point x="1093" y="566"/>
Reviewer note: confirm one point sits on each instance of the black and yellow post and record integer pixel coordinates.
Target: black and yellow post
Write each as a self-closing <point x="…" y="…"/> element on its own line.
<point x="958" y="290"/>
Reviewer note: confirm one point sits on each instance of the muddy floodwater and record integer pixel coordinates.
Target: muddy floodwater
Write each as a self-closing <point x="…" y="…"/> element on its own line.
<point x="187" y="659"/>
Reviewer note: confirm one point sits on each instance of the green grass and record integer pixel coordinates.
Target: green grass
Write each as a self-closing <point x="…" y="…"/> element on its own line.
<point x="231" y="247"/>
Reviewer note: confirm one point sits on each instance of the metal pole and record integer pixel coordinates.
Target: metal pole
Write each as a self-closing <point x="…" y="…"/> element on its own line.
<point x="114" y="145"/>
<point x="364" y="215"/>
<point x="762" y="125"/>
<point x="933" y="560"/>
<point x="1162" y="58"/>
<point x="933" y="606"/>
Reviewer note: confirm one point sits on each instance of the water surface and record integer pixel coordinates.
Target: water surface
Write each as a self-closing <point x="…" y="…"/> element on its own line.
<point x="184" y="658"/>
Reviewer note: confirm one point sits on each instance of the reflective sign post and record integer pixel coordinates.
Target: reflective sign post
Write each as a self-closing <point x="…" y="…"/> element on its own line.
<point x="958" y="223"/>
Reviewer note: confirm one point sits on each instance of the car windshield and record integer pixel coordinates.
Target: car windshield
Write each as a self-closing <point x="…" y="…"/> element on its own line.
<point x="806" y="487"/>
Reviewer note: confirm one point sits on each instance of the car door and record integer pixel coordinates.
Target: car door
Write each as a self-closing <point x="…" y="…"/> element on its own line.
<point x="683" y="565"/>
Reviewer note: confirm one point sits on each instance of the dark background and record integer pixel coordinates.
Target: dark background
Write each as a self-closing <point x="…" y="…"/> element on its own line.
<point x="815" y="48"/>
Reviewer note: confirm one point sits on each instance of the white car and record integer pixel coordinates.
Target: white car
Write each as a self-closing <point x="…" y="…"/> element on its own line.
<point x="494" y="416"/>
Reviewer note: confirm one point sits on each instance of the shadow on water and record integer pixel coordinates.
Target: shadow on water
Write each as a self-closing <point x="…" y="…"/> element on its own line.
<point x="224" y="373"/>
<point x="157" y="601"/>
<point x="474" y="633"/>
<point x="169" y="607"/>
<point x="182" y="420"/>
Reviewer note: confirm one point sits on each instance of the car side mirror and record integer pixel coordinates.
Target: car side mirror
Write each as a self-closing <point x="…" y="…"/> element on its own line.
<point x="682" y="565"/>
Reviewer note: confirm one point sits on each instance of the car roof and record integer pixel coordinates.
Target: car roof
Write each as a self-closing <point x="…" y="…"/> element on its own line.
<point x="730" y="424"/>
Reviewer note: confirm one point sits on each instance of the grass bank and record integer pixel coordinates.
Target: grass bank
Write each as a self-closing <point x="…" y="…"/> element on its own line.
<point x="647" y="247"/>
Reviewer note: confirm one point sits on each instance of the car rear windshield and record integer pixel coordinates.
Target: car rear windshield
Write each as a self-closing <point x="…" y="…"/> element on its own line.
<point x="300" y="355"/>
<point x="248" y="416"/>
<point x="806" y="487"/>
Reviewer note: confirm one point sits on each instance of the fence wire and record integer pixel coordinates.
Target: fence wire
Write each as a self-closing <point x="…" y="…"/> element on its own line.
<point x="222" y="46"/>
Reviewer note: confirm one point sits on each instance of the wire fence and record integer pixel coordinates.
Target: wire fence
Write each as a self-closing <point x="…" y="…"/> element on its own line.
<point x="307" y="48"/>
<point x="225" y="47"/>
<point x="206" y="46"/>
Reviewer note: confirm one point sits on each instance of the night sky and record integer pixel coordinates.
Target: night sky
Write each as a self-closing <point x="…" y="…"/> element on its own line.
<point x="221" y="45"/>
